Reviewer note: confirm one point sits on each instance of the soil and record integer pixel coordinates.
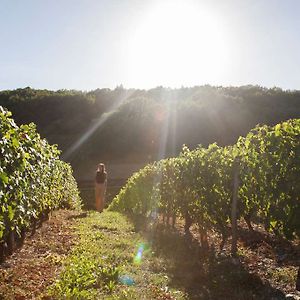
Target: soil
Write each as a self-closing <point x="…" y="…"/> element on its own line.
<point x="275" y="261"/>
<point x="28" y="273"/>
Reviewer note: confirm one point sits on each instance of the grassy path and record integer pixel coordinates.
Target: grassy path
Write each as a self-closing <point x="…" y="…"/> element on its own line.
<point x="87" y="255"/>
<point x="112" y="261"/>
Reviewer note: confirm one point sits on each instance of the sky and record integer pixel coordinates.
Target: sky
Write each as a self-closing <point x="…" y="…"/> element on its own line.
<point x="89" y="44"/>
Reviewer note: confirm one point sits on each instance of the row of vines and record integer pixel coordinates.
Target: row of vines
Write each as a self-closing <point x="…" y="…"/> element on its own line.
<point x="33" y="181"/>
<point x="198" y="184"/>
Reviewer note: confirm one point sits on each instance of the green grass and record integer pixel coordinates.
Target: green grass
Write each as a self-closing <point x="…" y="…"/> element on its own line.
<point x="105" y="265"/>
<point x="284" y="275"/>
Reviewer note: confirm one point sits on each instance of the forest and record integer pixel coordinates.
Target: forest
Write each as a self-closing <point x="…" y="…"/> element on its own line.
<point x="134" y="125"/>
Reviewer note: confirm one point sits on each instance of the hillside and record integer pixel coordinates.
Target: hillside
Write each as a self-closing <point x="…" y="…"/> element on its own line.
<point x="137" y="126"/>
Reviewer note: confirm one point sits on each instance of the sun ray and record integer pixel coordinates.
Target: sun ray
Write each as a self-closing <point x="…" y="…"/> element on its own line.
<point x="96" y="125"/>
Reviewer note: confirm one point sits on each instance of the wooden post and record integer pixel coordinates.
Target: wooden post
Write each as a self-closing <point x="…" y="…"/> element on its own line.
<point x="234" y="208"/>
<point x="298" y="280"/>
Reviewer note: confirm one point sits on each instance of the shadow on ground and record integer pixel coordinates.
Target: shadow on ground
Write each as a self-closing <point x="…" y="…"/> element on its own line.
<point x="203" y="274"/>
<point x="284" y="252"/>
<point x="77" y="216"/>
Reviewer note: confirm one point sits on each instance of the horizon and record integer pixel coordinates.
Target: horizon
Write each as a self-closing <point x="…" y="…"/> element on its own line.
<point x="145" y="44"/>
<point x="121" y="86"/>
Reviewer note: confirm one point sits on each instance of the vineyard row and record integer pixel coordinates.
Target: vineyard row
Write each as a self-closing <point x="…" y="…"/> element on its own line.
<point x="199" y="184"/>
<point x="33" y="181"/>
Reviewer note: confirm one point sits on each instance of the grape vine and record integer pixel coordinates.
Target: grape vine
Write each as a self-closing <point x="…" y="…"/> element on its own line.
<point x="33" y="181"/>
<point x="198" y="184"/>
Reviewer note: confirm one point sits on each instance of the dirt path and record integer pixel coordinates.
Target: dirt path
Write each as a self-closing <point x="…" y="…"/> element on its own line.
<point x="175" y="268"/>
<point x="32" y="269"/>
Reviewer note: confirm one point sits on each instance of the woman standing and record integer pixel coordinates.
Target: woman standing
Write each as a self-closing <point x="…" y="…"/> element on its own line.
<point x="100" y="187"/>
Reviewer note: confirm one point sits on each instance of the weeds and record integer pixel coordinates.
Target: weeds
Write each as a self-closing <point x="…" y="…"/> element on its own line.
<point x="108" y="252"/>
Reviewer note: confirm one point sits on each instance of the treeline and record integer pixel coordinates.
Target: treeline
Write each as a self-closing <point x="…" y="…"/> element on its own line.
<point x="261" y="171"/>
<point x="146" y="125"/>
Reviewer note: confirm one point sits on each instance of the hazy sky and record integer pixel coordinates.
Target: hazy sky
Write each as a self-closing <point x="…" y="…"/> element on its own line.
<point x="88" y="44"/>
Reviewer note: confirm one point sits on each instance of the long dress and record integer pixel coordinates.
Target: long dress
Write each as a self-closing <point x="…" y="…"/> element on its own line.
<point x="100" y="189"/>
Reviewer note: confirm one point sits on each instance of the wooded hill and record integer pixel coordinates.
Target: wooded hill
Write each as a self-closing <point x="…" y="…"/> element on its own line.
<point x="132" y="125"/>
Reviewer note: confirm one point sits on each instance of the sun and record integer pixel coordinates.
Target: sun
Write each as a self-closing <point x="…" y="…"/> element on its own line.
<point x="177" y="43"/>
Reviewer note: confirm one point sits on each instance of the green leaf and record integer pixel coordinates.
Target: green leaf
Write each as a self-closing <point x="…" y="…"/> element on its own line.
<point x="11" y="213"/>
<point x="15" y="143"/>
<point x="4" y="177"/>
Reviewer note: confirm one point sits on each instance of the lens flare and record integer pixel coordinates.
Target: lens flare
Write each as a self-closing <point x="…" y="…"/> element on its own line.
<point x="139" y="255"/>
<point x="126" y="280"/>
